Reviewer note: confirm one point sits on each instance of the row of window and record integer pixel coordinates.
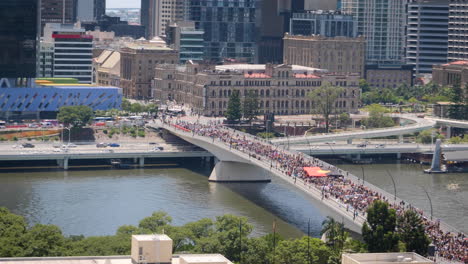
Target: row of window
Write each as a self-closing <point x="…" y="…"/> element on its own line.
<point x="285" y="104"/>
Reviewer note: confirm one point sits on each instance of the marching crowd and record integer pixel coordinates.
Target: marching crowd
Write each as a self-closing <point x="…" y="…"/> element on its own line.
<point x="354" y="196"/>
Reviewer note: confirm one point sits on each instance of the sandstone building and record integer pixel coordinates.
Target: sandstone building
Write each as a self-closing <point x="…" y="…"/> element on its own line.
<point x="338" y="54"/>
<point x="281" y="89"/>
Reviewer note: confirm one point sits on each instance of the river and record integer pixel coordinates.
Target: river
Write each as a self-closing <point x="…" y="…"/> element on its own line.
<point x="97" y="202"/>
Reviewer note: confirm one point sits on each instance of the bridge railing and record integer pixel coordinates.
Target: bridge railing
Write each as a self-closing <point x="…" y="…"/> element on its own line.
<point x="390" y="197"/>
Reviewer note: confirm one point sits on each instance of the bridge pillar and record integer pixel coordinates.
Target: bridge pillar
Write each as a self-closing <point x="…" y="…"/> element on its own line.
<point x="398" y="155"/>
<point x="400" y="139"/>
<point x="231" y="171"/>
<point x="448" y="132"/>
<point x="349" y="141"/>
<point x="142" y="162"/>
<point x="63" y="163"/>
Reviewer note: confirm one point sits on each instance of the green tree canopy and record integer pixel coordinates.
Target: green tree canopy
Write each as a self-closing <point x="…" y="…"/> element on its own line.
<point x="234" y="111"/>
<point x="379" y="229"/>
<point x="43" y="241"/>
<point x="377" y="117"/>
<point x="12" y="229"/>
<point x="323" y="101"/>
<point x="76" y="116"/>
<point x="250" y="107"/>
<point x="155" y="222"/>
<point x="411" y="232"/>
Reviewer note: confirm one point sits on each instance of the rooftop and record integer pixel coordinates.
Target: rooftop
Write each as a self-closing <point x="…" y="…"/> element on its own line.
<point x="385" y="258"/>
<point x="460" y="62"/>
<point x="456" y="156"/>
<point x="158" y="237"/>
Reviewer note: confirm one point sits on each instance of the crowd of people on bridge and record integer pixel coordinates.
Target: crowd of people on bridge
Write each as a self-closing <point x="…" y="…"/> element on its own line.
<point x="352" y="195"/>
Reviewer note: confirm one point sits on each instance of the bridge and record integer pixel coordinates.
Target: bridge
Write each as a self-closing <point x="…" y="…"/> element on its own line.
<point x="244" y="158"/>
<point x="329" y="149"/>
<point x="418" y="124"/>
<point x="134" y="151"/>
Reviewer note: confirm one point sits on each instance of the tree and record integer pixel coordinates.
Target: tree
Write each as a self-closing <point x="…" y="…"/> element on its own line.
<point x="411" y="232"/>
<point x="12" y="229"/>
<point x="250" y="107"/>
<point x="155" y="222"/>
<point x="334" y="231"/>
<point x="377" y="117"/>
<point x="323" y="101"/>
<point x="233" y="112"/>
<point x="364" y="85"/>
<point x="43" y="241"/>
<point x="345" y="119"/>
<point x="76" y="116"/>
<point x="126" y="105"/>
<point x="379" y="229"/>
<point x="295" y="251"/>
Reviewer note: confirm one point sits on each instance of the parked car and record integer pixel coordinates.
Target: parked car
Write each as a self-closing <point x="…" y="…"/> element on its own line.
<point x="114" y="145"/>
<point x="361" y="145"/>
<point x="28" y="145"/>
<point x="153" y="143"/>
<point x="101" y="145"/>
<point x="380" y="146"/>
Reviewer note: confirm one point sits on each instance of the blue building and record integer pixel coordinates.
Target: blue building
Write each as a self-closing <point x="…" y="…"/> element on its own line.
<point x="45" y="101"/>
<point x="230" y="28"/>
<point x="324" y="23"/>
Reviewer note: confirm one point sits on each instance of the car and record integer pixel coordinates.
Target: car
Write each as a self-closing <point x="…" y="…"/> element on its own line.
<point x="108" y="151"/>
<point x="71" y="145"/>
<point x="330" y="143"/>
<point x="114" y="145"/>
<point x="28" y="145"/>
<point x="361" y="145"/>
<point x="56" y="145"/>
<point x="101" y="145"/>
<point x="380" y="146"/>
<point x="57" y="150"/>
<point x="153" y="143"/>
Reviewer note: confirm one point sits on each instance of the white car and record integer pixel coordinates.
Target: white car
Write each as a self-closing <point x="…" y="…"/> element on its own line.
<point x="71" y="145"/>
<point x="57" y="150"/>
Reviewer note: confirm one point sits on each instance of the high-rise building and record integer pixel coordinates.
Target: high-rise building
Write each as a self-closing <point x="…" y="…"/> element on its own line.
<point x="382" y="23"/>
<point x="157" y="14"/>
<point x="427" y="34"/>
<point x="73" y="52"/>
<point x="324" y="23"/>
<point x="319" y="4"/>
<point x="183" y="37"/>
<point x="19" y="20"/>
<point x="90" y="10"/>
<point x="458" y="30"/>
<point x="58" y="11"/>
<point x="231" y="27"/>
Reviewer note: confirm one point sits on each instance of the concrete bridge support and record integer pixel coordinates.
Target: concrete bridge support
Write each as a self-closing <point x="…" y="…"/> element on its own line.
<point x="448" y="132"/>
<point x="231" y="171"/>
<point x="349" y="141"/>
<point x="142" y="162"/>
<point x="63" y="163"/>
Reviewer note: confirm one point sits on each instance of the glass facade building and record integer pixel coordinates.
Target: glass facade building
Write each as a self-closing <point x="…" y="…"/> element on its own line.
<point x="18" y="38"/>
<point x="230" y="28"/>
<point x="327" y="24"/>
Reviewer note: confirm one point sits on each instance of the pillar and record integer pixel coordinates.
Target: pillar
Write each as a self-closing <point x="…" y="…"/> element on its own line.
<point x="231" y="171"/>
<point x="350" y="141"/>
<point x="400" y="139"/>
<point x="398" y="155"/>
<point x="142" y="162"/>
<point x="65" y="164"/>
<point x="358" y="156"/>
<point x="448" y="132"/>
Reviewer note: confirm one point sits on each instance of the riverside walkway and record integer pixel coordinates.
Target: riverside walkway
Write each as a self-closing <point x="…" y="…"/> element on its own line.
<point x="345" y="194"/>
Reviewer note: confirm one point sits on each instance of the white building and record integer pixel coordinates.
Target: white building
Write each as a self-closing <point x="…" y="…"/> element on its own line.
<point x="72" y="52"/>
<point x="382" y="23"/>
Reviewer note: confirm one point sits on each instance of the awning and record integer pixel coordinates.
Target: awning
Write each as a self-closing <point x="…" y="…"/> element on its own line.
<point x="316" y="172"/>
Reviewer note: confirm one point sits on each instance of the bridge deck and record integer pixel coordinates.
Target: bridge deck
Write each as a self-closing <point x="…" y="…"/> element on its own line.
<point x="274" y="167"/>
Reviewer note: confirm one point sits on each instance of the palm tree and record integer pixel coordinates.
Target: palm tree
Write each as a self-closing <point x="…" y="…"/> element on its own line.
<point x="334" y="232"/>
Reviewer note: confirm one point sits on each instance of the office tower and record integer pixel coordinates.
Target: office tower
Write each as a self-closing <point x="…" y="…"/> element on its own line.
<point x="320" y="4"/>
<point x="183" y="37"/>
<point x="231" y="27"/>
<point x="73" y="51"/>
<point x="458" y="30"/>
<point x="427" y="34"/>
<point x="383" y="25"/>
<point x="90" y="10"/>
<point x="157" y="14"/>
<point x="324" y="23"/>
<point x="18" y="39"/>
<point x="58" y="11"/>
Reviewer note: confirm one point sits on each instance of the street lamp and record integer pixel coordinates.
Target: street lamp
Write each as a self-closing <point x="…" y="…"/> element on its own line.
<point x="429" y="198"/>
<point x="394" y="185"/>
<point x="69" y="134"/>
